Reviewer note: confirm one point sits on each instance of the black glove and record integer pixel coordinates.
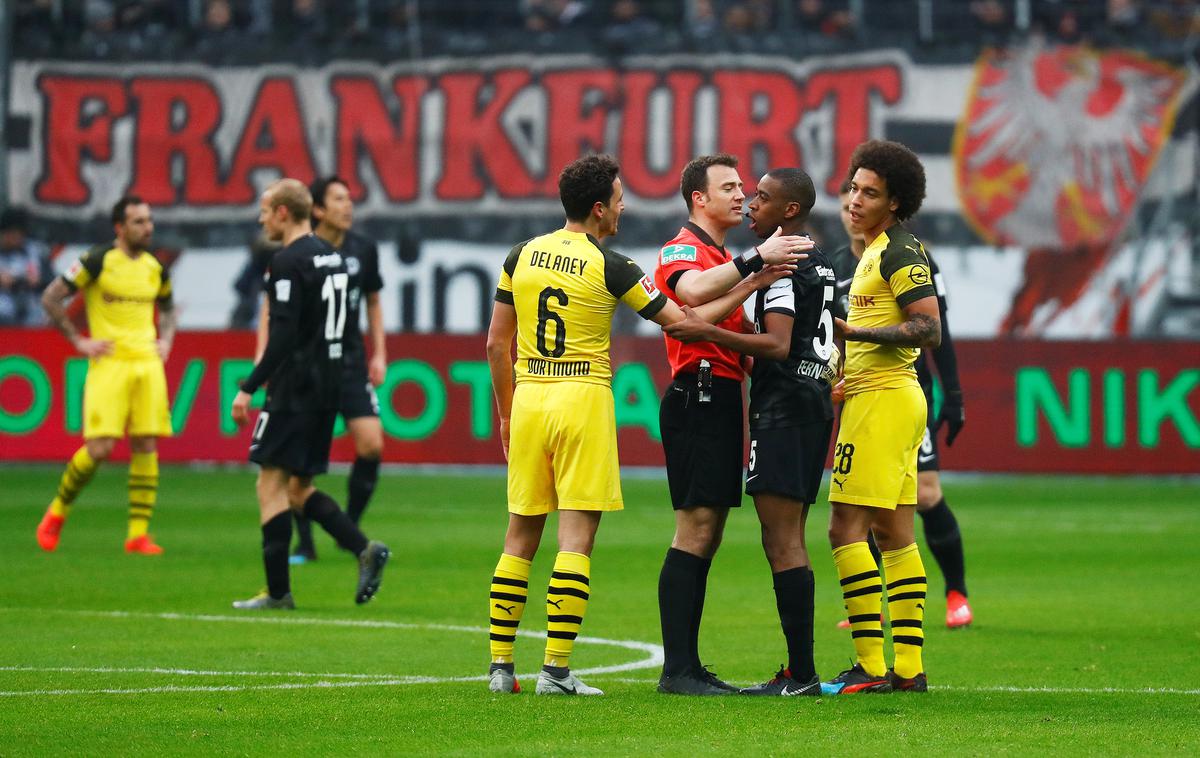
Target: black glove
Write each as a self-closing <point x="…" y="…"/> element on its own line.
<point x="952" y="415"/>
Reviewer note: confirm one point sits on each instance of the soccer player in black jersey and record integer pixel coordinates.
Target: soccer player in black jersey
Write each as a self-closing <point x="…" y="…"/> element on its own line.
<point x="302" y="367"/>
<point x="791" y="413"/>
<point x="941" y="528"/>
<point x="332" y="217"/>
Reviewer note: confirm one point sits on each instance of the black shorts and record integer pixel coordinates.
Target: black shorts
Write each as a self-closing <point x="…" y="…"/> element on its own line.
<point x="789" y="461"/>
<point x="358" y="394"/>
<point x="703" y="443"/>
<point x="298" y="443"/>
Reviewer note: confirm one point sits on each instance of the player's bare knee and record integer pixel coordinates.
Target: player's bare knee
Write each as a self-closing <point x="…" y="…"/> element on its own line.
<point x="143" y="444"/>
<point x="299" y="489"/>
<point x="100" y="448"/>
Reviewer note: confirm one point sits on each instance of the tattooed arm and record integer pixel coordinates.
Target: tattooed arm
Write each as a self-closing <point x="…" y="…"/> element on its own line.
<point x="54" y="301"/>
<point x="922" y="327"/>
<point x="167" y="321"/>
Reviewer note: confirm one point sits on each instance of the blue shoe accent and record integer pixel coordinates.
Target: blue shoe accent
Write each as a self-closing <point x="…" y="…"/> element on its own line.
<point x="297" y="559"/>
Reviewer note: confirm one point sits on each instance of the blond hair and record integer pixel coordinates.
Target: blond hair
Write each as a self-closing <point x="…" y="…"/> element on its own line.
<point x="293" y="195"/>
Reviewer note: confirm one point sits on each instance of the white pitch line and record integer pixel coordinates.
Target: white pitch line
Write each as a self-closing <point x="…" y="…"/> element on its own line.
<point x="653" y="653"/>
<point x="1015" y="690"/>
<point x="186" y="672"/>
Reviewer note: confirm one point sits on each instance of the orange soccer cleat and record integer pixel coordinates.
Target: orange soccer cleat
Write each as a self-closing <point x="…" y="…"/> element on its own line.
<point x="48" y="531"/>
<point x="958" y="610"/>
<point x="143" y="545"/>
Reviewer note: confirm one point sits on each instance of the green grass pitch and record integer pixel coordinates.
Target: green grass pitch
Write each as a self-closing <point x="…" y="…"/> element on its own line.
<point x="1087" y="633"/>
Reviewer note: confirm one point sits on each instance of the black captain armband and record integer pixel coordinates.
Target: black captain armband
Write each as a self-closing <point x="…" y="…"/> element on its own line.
<point x="749" y="262"/>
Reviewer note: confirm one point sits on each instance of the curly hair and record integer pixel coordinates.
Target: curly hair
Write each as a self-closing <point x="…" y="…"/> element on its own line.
<point x="585" y="182"/>
<point x="695" y="174"/>
<point x="900" y="169"/>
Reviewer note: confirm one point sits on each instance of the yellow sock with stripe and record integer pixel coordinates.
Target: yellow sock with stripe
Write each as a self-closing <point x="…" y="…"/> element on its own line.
<point x="143" y="492"/>
<point x="862" y="591"/>
<point x="906" y="607"/>
<point x="80" y="470"/>
<point x="510" y="589"/>
<point x="566" y="603"/>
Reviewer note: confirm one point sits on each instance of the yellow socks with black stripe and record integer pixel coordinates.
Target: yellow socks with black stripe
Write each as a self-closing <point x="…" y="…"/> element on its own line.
<point x="862" y="591"/>
<point x="80" y="470"/>
<point x="566" y="603"/>
<point x="510" y="590"/>
<point x="906" y="607"/>
<point x="143" y="492"/>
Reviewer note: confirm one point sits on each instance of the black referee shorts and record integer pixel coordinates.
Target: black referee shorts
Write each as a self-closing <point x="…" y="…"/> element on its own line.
<point x="298" y="443"/>
<point x="703" y="443"/>
<point x="789" y="461"/>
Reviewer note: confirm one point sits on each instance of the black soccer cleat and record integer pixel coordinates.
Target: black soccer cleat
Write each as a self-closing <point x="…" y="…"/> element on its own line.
<point x="784" y="684"/>
<point x="370" y="570"/>
<point x="899" y="684"/>
<point x="694" y="682"/>
<point x="854" y="680"/>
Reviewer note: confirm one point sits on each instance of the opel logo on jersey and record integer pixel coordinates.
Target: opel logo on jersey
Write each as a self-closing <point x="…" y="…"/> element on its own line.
<point x="919" y="275"/>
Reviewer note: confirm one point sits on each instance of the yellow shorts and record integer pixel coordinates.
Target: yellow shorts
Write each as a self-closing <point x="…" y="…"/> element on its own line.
<point x="562" y="451"/>
<point x="875" y="459"/>
<point x="122" y="395"/>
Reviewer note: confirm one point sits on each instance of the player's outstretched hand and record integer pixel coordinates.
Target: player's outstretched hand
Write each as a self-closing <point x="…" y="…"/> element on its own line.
<point x="504" y="436"/>
<point x="691" y="329"/>
<point x="769" y="275"/>
<point x="241" y="408"/>
<point x="784" y="248"/>
<point x="93" y="348"/>
<point x="952" y="415"/>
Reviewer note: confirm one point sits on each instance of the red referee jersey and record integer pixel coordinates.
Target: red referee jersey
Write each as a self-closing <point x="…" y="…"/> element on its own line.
<point x="693" y="250"/>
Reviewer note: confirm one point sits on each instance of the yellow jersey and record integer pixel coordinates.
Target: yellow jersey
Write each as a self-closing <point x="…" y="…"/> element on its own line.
<point x="120" y="294"/>
<point x="892" y="273"/>
<point x="565" y="288"/>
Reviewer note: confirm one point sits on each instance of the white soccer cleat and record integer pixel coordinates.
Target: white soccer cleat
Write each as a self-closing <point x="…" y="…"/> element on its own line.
<point x="568" y="685"/>
<point x="500" y="680"/>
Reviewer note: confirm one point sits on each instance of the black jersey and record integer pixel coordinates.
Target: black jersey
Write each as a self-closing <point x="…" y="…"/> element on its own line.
<point x="792" y="391"/>
<point x="362" y="264"/>
<point x="308" y="287"/>
<point x="844" y="264"/>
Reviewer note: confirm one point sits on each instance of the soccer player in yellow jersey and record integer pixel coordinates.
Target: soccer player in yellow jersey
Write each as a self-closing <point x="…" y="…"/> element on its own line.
<point x="557" y="295"/>
<point x="126" y="388"/>
<point x="893" y="313"/>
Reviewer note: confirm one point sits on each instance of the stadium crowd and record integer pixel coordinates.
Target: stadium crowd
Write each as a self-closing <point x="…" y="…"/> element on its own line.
<point x="309" y="31"/>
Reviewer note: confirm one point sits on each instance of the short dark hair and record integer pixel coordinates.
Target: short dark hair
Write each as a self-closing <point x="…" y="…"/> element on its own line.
<point x="118" y="210"/>
<point x="320" y="186"/>
<point x="695" y="174"/>
<point x="845" y="186"/>
<point x="586" y="181"/>
<point x="900" y="169"/>
<point x="797" y="188"/>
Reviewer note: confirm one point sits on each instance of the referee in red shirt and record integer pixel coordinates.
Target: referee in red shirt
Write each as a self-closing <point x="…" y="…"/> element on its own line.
<point x="701" y="412"/>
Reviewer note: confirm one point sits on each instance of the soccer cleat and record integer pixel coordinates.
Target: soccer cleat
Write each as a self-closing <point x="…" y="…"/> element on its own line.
<point x="958" y="610"/>
<point x="783" y="684"/>
<point x="370" y="570"/>
<point x="855" y="679"/>
<point x="302" y="555"/>
<point x="899" y="684"/>
<point x="48" y="531"/>
<point x="264" y="602"/>
<point x="548" y="684"/>
<point x="143" y="545"/>
<point x="501" y="679"/>
<point x="701" y="682"/>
